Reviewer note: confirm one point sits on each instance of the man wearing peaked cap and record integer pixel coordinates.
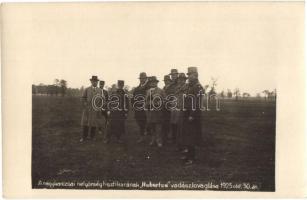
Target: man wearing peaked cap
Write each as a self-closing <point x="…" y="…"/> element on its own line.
<point x="173" y="71"/>
<point x="139" y="111"/>
<point x="118" y="113"/>
<point x="89" y="120"/>
<point x="171" y="91"/>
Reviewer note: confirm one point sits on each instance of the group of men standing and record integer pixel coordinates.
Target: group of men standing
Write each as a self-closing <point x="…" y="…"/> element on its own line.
<point x="174" y="119"/>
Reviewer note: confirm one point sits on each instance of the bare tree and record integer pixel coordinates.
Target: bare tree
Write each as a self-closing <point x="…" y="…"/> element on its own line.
<point x="63" y="86"/>
<point x="266" y="94"/>
<point x="236" y="92"/>
<point x="222" y="94"/>
<point x="229" y="93"/>
<point x="246" y="95"/>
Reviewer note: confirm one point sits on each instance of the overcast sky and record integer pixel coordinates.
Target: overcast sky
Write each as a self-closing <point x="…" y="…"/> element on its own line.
<point x="240" y="46"/>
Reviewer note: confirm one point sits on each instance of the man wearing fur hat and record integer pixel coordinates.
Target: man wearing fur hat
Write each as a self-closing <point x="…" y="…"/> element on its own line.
<point x="191" y="115"/>
<point x="89" y="121"/>
<point x="177" y="114"/>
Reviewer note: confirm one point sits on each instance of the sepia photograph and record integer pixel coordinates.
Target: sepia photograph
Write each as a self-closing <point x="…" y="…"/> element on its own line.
<point x="153" y="96"/>
<point x="141" y="100"/>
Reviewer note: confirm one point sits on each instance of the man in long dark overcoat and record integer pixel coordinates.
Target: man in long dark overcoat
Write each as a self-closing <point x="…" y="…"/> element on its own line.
<point x="118" y="112"/>
<point x="191" y="115"/>
<point x="139" y="111"/>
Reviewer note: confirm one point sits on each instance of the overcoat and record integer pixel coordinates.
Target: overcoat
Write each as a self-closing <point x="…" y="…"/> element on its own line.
<point x="90" y="114"/>
<point x="118" y="113"/>
<point x="176" y="113"/>
<point x="141" y="89"/>
<point x="192" y="129"/>
<point x="178" y="118"/>
<point x="155" y="115"/>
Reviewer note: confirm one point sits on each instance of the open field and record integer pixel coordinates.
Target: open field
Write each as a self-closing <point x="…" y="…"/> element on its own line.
<point x="239" y="148"/>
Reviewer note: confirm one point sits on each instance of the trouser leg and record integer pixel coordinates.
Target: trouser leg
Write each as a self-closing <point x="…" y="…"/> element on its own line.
<point x="142" y="126"/>
<point x="159" y="134"/>
<point x="174" y="132"/>
<point x="191" y="152"/>
<point x="152" y="128"/>
<point x="93" y="132"/>
<point x="120" y="130"/>
<point x="85" y="132"/>
<point x="165" y="129"/>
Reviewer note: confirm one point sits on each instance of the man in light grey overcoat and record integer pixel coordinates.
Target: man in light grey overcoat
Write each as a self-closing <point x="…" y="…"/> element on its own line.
<point x="91" y="100"/>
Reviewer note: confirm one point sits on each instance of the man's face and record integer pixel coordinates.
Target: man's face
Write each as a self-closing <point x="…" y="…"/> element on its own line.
<point x="181" y="80"/>
<point x="94" y="83"/>
<point x="192" y="77"/>
<point x="167" y="82"/>
<point x="154" y="84"/>
<point x="142" y="80"/>
<point x="174" y="76"/>
<point x="120" y="86"/>
<point x="101" y="85"/>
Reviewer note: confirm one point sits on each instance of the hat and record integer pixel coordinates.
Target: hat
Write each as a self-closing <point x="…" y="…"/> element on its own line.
<point x="121" y="82"/>
<point x="94" y="78"/>
<point x="174" y="71"/>
<point x="153" y="79"/>
<point x="101" y="82"/>
<point x="167" y="78"/>
<point x="143" y="75"/>
<point x="182" y="76"/>
<point x="192" y="70"/>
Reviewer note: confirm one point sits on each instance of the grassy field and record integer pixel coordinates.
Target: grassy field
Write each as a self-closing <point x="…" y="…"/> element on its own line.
<point x="240" y="149"/>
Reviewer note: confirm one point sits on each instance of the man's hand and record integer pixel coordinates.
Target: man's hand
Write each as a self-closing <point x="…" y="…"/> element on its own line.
<point x="191" y="118"/>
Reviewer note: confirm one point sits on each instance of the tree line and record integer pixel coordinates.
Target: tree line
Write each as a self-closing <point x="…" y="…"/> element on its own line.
<point x="60" y="88"/>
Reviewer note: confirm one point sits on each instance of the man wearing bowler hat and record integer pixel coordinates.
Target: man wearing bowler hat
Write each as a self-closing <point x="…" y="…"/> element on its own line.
<point x="139" y="113"/>
<point x="191" y="116"/>
<point x="89" y="120"/>
<point x="118" y="112"/>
